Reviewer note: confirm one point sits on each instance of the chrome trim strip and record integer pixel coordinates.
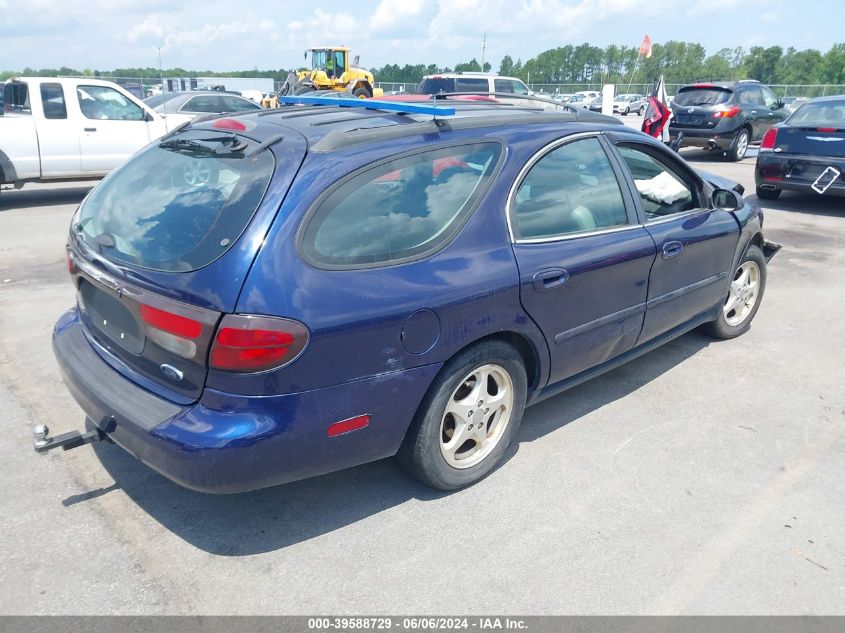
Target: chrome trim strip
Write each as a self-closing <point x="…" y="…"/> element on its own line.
<point x="572" y="236"/>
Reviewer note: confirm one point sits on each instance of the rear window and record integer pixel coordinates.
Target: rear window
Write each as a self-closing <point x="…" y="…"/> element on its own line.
<point x="435" y="85"/>
<point x="822" y="114"/>
<point x="399" y="210"/>
<point x="179" y="204"/>
<point x="702" y="96"/>
<point x="16" y="98"/>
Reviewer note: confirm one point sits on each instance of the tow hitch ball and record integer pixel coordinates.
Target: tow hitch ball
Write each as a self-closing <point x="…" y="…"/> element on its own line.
<point x="42" y="442"/>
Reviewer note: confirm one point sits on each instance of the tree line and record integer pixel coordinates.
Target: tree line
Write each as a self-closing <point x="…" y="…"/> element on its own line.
<point x="678" y="62"/>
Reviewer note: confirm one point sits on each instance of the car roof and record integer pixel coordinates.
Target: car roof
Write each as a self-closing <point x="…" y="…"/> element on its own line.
<point x="824" y="99"/>
<point x="330" y="127"/>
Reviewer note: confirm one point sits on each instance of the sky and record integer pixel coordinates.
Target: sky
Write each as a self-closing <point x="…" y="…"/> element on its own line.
<point x="270" y="34"/>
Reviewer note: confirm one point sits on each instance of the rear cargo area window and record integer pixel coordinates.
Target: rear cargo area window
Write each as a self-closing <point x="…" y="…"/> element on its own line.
<point x="179" y="204"/>
<point x="399" y="210"/>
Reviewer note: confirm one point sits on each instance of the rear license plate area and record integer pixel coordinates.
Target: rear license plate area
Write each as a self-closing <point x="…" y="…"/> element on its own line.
<point x="825" y="180"/>
<point x="111" y="318"/>
<point x="689" y="119"/>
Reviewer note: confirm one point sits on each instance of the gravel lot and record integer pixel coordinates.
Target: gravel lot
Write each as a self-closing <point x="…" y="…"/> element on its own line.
<point x="705" y="477"/>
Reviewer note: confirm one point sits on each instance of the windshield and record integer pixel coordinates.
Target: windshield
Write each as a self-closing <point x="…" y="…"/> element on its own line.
<point x="820" y="114"/>
<point x="157" y="100"/>
<point x="179" y="204"/>
<point x="702" y="96"/>
<point x="318" y="59"/>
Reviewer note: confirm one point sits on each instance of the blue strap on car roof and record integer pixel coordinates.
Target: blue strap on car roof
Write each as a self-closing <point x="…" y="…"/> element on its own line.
<point x="371" y="104"/>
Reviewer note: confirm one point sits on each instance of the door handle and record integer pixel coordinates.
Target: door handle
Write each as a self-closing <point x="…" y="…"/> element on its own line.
<point x="754" y="112"/>
<point x="90" y="129"/>
<point x="548" y="279"/>
<point x="672" y="249"/>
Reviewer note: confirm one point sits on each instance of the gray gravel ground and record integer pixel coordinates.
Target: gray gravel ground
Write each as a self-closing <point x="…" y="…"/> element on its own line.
<point x="705" y="477"/>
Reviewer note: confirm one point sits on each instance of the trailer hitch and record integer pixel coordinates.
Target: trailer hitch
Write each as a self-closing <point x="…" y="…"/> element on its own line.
<point x="42" y="442"/>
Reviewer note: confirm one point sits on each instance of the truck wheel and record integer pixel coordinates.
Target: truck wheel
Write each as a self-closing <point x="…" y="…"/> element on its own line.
<point x="468" y="418"/>
<point x="361" y="93"/>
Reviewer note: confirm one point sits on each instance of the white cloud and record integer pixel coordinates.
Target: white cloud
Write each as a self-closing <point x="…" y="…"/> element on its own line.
<point x="389" y="13"/>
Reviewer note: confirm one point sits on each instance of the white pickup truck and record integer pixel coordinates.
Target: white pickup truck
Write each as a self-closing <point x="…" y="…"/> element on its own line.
<point x="69" y="129"/>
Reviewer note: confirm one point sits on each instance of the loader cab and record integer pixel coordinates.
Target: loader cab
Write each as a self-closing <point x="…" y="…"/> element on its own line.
<point x="331" y="60"/>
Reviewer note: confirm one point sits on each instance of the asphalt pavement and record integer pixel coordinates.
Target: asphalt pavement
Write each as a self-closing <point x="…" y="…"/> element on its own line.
<point x="703" y="478"/>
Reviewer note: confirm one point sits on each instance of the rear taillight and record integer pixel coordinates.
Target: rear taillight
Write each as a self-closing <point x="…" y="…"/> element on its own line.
<point x="827" y="129"/>
<point x="246" y="343"/>
<point x="769" y="139"/>
<point x="173" y="332"/>
<point x="727" y="113"/>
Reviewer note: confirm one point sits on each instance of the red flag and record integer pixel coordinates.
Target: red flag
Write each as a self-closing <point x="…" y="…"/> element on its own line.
<point x="657" y="113"/>
<point x="645" y="47"/>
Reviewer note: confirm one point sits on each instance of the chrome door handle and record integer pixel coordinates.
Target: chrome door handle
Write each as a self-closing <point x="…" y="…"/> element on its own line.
<point x="90" y="129"/>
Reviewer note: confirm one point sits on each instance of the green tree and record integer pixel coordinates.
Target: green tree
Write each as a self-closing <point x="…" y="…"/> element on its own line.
<point x="507" y="66"/>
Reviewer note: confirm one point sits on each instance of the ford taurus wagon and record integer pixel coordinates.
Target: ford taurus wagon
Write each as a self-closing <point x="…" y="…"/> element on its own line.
<point x="270" y="296"/>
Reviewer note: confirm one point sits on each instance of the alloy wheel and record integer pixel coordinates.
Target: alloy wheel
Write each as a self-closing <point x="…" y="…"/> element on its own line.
<point x="477" y="414"/>
<point x="743" y="294"/>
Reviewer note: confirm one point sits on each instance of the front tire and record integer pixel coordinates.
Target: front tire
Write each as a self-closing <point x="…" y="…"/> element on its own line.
<point x="744" y="297"/>
<point x="642" y="110"/>
<point x="468" y="418"/>
<point x="361" y="93"/>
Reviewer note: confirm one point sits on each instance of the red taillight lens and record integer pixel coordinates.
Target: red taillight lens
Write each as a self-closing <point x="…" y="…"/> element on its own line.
<point x="246" y="343"/>
<point x="769" y="138"/>
<point x="728" y="113"/>
<point x="71" y="266"/>
<point x="171" y="323"/>
<point x="229" y="124"/>
<point x="826" y="129"/>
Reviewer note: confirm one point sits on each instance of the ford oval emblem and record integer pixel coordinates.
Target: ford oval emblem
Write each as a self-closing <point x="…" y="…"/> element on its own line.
<point x="171" y="372"/>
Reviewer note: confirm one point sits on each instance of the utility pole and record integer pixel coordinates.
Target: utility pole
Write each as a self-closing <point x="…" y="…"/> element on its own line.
<point x="160" y="71"/>
<point x="483" y="50"/>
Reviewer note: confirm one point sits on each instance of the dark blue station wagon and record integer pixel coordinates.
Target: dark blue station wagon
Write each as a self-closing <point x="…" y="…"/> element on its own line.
<point x="271" y="296"/>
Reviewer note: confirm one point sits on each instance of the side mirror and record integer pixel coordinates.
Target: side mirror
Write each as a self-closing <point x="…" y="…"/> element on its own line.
<point x="305" y="55"/>
<point x="726" y="200"/>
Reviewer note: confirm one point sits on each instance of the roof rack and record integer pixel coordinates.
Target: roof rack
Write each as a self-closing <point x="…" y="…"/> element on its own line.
<point x="370" y="104"/>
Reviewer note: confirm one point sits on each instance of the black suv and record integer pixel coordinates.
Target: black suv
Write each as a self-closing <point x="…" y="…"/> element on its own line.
<point x="725" y="116"/>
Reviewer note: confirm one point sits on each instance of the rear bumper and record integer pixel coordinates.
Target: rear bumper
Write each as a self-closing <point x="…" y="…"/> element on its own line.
<point x="793" y="172"/>
<point x="227" y="443"/>
<point x="703" y="138"/>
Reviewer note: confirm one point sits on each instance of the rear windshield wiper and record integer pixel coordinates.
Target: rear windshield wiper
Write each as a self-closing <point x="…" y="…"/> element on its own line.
<point x="215" y="146"/>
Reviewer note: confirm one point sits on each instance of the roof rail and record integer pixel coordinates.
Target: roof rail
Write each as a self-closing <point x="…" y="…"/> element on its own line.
<point x="370" y="104"/>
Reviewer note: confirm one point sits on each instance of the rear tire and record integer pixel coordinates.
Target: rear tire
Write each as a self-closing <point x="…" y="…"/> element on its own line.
<point x="642" y="110"/>
<point x="768" y="194"/>
<point x="744" y="297"/>
<point x="468" y="417"/>
<point x="739" y="147"/>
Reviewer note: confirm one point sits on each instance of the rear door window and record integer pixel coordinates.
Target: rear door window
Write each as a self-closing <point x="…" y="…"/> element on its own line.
<point x="400" y="210"/>
<point x="236" y="104"/>
<point x="53" y="101"/>
<point x="572" y="189"/>
<point x="179" y="204"/>
<point x="203" y="103"/>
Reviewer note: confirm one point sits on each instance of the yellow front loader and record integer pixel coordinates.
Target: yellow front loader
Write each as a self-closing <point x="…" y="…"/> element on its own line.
<point x="331" y="70"/>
